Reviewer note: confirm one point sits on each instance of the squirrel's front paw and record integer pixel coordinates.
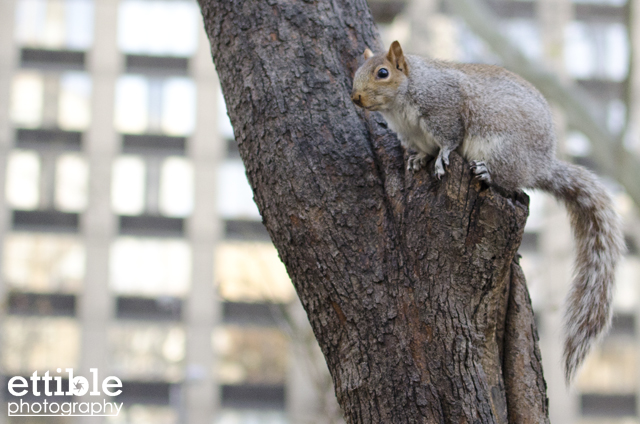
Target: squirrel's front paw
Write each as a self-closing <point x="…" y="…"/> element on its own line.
<point x="416" y="162"/>
<point x="438" y="167"/>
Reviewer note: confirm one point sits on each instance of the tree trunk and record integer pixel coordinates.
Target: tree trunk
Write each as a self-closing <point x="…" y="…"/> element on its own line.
<point x="411" y="284"/>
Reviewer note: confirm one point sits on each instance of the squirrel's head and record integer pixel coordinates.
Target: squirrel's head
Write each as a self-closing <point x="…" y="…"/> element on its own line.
<point x="376" y="81"/>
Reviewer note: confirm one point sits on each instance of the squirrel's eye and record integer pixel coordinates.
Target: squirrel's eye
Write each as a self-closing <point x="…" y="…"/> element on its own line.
<point x="383" y="73"/>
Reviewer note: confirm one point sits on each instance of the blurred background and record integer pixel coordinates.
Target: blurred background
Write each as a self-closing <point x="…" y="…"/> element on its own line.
<point x="130" y="241"/>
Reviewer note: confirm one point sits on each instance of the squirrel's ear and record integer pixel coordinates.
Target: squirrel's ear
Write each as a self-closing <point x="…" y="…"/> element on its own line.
<point x="367" y="54"/>
<point x="396" y="57"/>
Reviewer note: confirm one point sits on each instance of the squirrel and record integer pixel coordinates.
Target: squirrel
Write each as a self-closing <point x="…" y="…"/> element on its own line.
<point x="503" y="126"/>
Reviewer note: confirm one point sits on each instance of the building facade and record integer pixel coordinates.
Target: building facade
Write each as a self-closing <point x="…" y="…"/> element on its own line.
<point x="130" y="240"/>
<point x="131" y="244"/>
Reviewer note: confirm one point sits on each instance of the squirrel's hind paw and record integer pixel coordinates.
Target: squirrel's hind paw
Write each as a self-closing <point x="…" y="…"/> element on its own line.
<point x="416" y="162"/>
<point x="479" y="169"/>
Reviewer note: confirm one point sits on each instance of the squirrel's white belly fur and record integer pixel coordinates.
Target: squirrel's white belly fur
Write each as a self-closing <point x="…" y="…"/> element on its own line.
<point x="413" y="133"/>
<point x="411" y="130"/>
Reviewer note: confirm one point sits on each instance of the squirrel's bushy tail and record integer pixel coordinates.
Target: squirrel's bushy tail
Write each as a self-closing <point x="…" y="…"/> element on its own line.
<point x="597" y="229"/>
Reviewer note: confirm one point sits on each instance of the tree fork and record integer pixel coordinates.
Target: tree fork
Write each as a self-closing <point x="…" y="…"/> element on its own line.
<point x="411" y="284"/>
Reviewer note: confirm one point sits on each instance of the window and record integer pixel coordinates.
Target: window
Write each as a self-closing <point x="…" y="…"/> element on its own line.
<point x="128" y="185"/>
<point x="72" y="179"/>
<point x="537" y="203"/>
<point x="250" y="355"/>
<point x="524" y="33"/>
<point x="616" y="116"/>
<point x="596" y="50"/>
<point x="155" y="105"/>
<point x="27" y="99"/>
<point x="70" y="174"/>
<point x="147" y="351"/>
<point x="251" y="272"/>
<point x="55" y="24"/>
<point x="70" y="91"/>
<point x="625" y="298"/>
<point x="610" y="368"/>
<point x="41" y="344"/>
<point x="577" y="144"/>
<point x="23" y="179"/>
<point x="474" y="49"/>
<point x="140" y="308"/>
<point x="178" y="106"/>
<point x="254" y="397"/>
<point x="603" y="406"/>
<point x="145" y="414"/>
<point x="150" y="267"/>
<point x="74" y="101"/>
<point x="224" y="124"/>
<point x="132" y="94"/>
<point x="172" y="189"/>
<point x="176" y="187"/>
<point x="230" y="416"/>
<point x="158" y="27"/>
<point x="235" y="197"/>
<point x="43" y="263"/>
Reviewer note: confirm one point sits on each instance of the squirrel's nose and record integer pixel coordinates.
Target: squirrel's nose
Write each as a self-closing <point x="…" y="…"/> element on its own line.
<point x="357" y="99"/>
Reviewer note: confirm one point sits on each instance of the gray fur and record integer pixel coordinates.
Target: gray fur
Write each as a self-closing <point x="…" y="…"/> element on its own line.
<point x="503" y="126"/>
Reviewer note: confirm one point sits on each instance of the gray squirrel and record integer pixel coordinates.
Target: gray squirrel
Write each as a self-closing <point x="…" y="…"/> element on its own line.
<point x="503" y="126"/>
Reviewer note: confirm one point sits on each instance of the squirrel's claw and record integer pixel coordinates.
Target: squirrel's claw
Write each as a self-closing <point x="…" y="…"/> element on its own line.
<point x="480" y="171"/>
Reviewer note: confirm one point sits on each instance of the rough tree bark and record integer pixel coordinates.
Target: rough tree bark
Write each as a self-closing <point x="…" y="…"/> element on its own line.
<point x="411" y="285"/>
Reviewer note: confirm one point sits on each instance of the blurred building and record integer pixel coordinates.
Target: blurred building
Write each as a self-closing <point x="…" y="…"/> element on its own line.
<point x="131" y="244"/>
<point x="130" y="240"/>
